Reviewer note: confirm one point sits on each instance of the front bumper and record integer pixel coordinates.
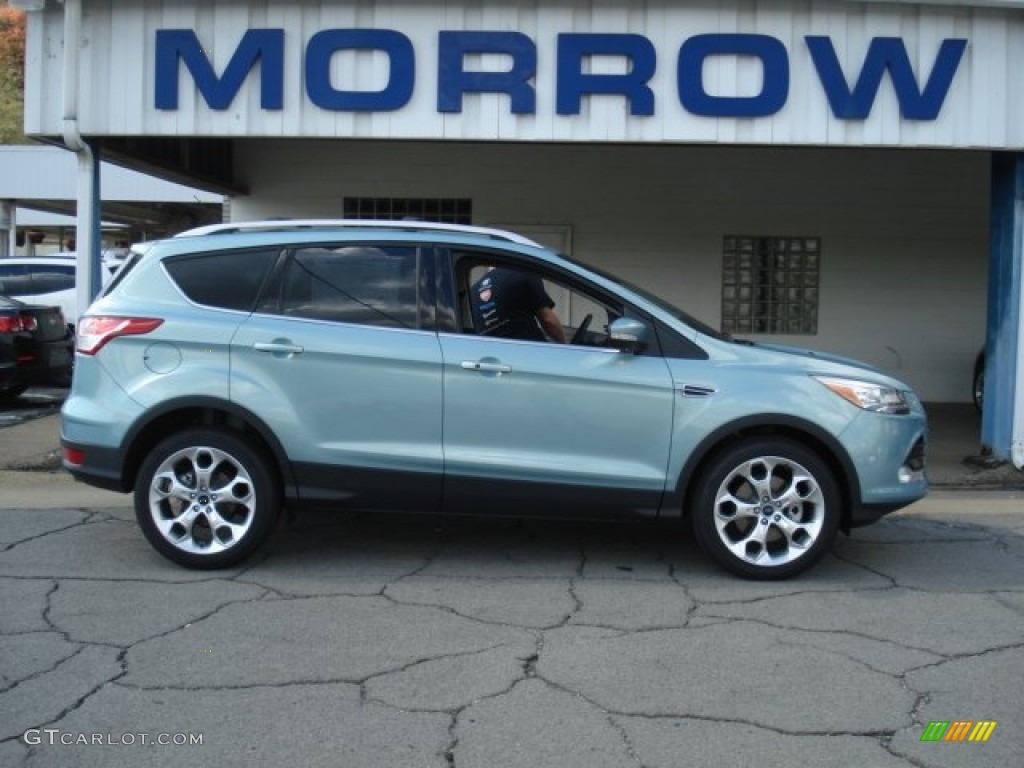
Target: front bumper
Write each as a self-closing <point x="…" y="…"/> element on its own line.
<point x="889" y="453"/>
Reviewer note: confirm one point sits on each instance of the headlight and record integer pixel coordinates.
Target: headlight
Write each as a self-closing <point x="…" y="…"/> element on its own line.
<point x="870" y="397"/>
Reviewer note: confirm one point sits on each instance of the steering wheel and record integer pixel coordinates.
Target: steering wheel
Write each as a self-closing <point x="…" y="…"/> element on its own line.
<point x="577" y="338"/>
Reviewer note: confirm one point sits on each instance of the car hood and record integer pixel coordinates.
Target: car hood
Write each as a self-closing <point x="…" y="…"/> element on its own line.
<point x="800" y="359"/>
<point x="814" y="354"/>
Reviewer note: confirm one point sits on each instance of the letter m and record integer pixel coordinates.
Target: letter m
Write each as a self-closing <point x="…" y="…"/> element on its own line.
<point x="935" y="731"/>
<point x="182" y="45"/>
<point x="886" y="54"/>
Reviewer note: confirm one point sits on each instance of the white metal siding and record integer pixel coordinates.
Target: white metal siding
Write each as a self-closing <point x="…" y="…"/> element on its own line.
<point x="984" y="108"/>
<point x="48" y="173"/>
<point x="904" y="234"/>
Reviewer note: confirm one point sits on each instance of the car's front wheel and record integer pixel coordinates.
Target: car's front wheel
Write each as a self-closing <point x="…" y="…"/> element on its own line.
<point x="766" y="508"/>
<point x="206" y="498"/>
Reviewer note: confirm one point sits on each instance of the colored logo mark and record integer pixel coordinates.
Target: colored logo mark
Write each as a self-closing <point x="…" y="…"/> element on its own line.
<point x="959" y="730"/>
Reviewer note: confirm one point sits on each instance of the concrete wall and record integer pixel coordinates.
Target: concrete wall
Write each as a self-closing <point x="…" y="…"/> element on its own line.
<point x="904" y="233"/>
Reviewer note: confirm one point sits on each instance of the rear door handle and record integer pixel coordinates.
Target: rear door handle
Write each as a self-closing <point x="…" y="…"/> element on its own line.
<point x="486" y="367"/>
<point x="278" y="348"/>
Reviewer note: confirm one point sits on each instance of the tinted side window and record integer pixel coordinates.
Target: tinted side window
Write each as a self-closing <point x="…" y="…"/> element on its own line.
<point x="228" y="280"/>
<point x="368" y="285"/>
<point x="15" y="280"/>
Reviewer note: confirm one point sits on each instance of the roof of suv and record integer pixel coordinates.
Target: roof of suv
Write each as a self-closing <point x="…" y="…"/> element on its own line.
<point x="291" y="225"/>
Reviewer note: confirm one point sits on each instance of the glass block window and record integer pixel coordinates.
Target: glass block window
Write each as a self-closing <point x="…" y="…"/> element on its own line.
<point x="770" y="284"/>
<point x="446" y="210"/>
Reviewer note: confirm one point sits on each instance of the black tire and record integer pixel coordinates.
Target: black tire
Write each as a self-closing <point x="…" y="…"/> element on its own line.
<point x="766" y="508"/>
<point x="207" y="498"/>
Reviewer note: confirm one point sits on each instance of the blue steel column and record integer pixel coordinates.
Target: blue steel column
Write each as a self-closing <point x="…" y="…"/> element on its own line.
<point x="1006" y="259"/>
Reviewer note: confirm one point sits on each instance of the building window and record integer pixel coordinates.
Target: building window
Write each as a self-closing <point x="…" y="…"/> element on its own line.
<point x="447" y="210"/>
<point x="770" y="284"/>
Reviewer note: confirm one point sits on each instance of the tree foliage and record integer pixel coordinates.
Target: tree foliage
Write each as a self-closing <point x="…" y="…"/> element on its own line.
<point x="12" y="75"/>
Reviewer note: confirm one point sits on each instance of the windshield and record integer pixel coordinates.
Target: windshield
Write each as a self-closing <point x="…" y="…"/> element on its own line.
<point x="660" y="303"/>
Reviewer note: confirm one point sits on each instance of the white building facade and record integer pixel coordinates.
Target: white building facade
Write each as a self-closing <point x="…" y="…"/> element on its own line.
<point x="807" y="172"/>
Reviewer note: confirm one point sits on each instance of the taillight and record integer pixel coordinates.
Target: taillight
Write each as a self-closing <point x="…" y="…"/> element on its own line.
<point x="11" y="324"/>
<point x="94" y="332"/>
<point x="29" y="323"/>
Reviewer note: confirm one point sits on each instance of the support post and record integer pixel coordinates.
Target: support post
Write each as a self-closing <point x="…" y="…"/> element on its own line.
<point x="1002" y="427"/>
<point x="87" y="230"/>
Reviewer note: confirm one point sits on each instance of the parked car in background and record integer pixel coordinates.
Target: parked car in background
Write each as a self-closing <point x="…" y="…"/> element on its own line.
<point x="237" y="368"/>
<point x="36" y="347"/>
<point x="46" y="280"/>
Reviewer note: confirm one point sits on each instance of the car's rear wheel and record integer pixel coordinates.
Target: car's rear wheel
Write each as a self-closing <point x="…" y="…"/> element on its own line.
<point x="206" y="498"/>
<point x="766" y="508"/>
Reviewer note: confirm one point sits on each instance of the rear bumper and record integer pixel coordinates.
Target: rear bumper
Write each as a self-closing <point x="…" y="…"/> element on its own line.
<point x="101" y="467"/>
<point x="45" y="363"/>
<point x="94" y="422"/>
<point x="8" y="375"/>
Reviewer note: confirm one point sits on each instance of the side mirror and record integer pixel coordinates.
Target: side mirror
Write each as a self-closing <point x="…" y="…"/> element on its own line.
<point x="627" y="334"/>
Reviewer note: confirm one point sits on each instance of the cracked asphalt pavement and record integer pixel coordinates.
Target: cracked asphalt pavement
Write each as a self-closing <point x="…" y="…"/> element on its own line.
<point x="396" y="641"/>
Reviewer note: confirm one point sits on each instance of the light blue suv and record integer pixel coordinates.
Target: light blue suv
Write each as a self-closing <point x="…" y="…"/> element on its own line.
<point x="236" y="369"/>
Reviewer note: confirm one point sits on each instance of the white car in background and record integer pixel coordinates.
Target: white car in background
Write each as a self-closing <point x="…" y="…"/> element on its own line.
<point x="47" y="280"/>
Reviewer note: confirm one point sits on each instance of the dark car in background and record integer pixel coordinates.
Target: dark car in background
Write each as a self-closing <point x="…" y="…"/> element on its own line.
<point x="36" y="347"/>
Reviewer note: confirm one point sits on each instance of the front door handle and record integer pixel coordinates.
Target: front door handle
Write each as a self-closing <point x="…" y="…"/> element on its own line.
<point x="485" y="366"/>
<point x="278" y="348"/>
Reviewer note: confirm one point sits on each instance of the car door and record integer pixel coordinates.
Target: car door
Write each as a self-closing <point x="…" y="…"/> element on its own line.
<point x="551" y="428"/>
<point x="342" y="362"/>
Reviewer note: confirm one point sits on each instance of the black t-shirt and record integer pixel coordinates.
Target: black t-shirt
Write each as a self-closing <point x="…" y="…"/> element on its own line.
<point x="505" y="303"/>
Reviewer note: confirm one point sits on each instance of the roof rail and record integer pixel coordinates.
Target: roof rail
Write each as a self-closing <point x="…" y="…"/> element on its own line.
<point x="272" y="225"/>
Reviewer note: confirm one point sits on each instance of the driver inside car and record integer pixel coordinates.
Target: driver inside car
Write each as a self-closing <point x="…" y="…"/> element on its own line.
<point x="512" y="304"/>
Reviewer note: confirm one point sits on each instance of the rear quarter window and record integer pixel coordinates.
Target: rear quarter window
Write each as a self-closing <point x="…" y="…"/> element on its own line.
<point x="361" y="284"/>
<point x="228" y="280"/>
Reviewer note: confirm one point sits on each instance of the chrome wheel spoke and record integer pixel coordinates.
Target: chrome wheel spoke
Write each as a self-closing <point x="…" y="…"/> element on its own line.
<point x="797" y="535"/>
<point x="729" y="507"/>
<point x="751" y="545"/>
<point x="224" y="530"/>
<point x="179" y="527"/>
<point x="170" y="486"/>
